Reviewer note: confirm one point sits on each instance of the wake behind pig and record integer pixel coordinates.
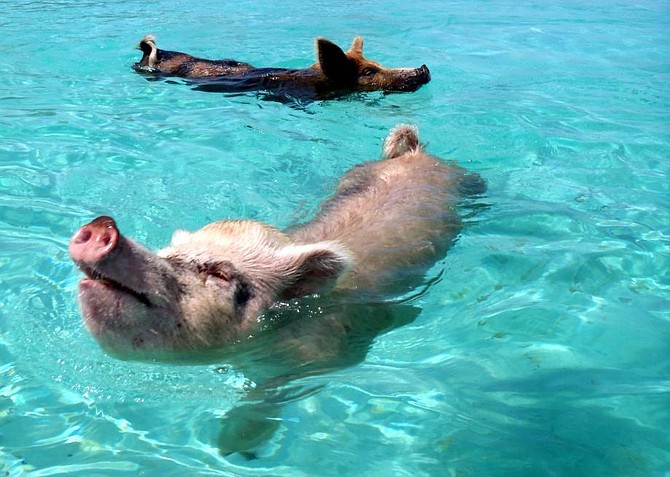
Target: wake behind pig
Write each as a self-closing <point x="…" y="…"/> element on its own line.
<point x="388" y="221"/>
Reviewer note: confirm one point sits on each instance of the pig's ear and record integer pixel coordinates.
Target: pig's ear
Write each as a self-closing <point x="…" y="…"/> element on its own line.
<point x="357" y="46"/>
<point x="334" y="63"/>
<point x="180" y="237"/>
<point x="313" y="268"/>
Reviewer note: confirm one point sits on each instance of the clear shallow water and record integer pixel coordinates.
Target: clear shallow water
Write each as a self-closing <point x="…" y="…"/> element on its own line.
<point x="543" y="350"/>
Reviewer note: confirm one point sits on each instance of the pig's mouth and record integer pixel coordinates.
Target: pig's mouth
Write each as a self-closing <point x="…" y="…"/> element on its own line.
<point x="109" y="283"/>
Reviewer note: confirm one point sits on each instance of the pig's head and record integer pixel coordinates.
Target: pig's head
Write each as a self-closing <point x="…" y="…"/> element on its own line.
<point x="351" y="70"/>
<point x="207" y="289"/>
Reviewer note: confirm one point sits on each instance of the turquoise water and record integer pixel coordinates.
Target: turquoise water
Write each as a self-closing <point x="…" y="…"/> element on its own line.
<point x="543" y="349"/>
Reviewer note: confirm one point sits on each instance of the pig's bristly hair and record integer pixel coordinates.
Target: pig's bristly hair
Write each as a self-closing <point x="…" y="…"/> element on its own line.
<point x="402" y="139"/>
<point x="148" y="47"/>
<point x="149" y="40"/>
<point x="266" y="256"/>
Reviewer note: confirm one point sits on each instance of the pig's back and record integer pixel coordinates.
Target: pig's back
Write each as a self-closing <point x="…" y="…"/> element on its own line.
<point x="398" y="216"/>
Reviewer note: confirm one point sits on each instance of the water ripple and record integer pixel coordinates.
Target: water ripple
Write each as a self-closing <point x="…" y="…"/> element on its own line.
<point x="551" y="310"/>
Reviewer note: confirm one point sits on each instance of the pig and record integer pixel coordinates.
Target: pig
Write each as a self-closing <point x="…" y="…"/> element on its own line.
<point x="174" y="63"/>
<point x="335" y="73"/>
<point x="387" y="221"/>
<point x="240" y="289"/>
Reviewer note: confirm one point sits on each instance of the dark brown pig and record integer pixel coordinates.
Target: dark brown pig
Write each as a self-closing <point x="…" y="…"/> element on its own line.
<point x="335" y="73"/>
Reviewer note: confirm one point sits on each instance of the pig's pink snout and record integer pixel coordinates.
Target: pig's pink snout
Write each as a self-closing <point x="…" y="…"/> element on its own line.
<point x="94" y="241"/>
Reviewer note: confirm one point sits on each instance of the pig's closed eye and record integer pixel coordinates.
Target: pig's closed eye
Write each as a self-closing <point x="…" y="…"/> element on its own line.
<point x="220" y="276"/>
<point x="213" y="270"/>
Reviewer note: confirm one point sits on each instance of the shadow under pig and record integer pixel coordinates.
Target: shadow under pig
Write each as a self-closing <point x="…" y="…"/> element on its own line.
<point x="311" y="338"/>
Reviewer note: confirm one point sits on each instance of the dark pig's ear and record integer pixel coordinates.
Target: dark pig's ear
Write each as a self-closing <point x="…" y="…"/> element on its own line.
<point x="334" y="62"/>
<point x="357" y="46"/>
<point x="313" y="268"/>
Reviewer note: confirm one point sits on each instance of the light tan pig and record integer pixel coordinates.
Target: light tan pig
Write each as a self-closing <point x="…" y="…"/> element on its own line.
<point x="387" y="222"/>
<point x="313" y="297"/>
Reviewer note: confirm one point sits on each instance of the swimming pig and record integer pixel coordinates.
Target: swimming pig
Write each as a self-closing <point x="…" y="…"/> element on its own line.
<point x="279" y="305"/>
<point x="386" y="223"/>
<point x="335" y="73"/>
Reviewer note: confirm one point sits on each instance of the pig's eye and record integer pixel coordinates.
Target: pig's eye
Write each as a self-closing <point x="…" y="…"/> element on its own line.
<point x="213" y="270"/>
<point x="219" y="275"/>
<point x="369" y="71"/>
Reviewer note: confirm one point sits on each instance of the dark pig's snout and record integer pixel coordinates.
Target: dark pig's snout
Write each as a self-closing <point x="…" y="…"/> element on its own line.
<point x="94" y="241"/>
<point x="423" y="74"/>
<point x="411" y="79"/>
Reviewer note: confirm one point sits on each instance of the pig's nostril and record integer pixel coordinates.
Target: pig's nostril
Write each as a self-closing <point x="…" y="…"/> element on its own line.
<point x="84" y="236"/>
<point x="105" y="239"/>
<point x="94" y="241"/>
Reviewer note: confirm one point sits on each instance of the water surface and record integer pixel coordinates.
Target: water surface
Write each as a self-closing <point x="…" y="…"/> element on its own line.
<point x="543" y="349"/>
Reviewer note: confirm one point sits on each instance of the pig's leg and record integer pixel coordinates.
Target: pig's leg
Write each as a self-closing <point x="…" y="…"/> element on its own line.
<point x="334" y="340"/>
<point x="245" y="428"/>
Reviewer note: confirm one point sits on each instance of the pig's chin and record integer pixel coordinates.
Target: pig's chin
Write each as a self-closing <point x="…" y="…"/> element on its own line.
<point x="106" y="304"/>
<point x="116" y="317"/>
